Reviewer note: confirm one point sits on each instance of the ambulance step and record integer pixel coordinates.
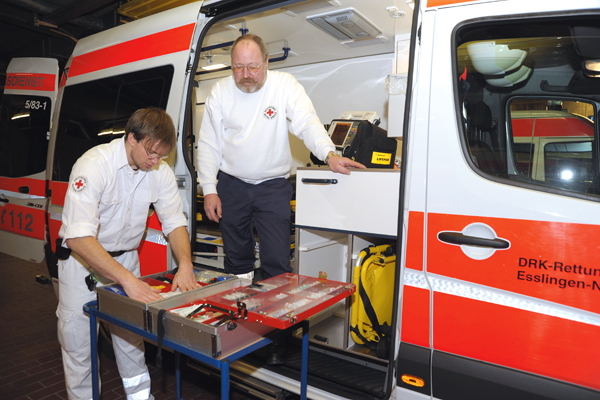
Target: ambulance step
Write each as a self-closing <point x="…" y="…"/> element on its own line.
<point x="242" y="382"/>
<point x="336" y="373"/>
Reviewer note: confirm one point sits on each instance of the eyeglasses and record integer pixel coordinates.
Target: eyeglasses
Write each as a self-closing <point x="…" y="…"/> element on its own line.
<point x="251" y="68"/>
<point x="154" y="155"/>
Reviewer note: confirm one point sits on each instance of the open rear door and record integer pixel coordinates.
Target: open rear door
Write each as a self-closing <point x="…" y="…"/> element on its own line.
<point x="110" y="75"/>
<point x="27" y="105"/>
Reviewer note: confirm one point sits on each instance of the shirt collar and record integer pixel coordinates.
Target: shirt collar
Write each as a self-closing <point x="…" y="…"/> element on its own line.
<point x="121" y="154"/>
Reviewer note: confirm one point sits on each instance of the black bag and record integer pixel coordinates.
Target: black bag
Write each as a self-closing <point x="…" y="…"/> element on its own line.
<point x="371" y="147"/>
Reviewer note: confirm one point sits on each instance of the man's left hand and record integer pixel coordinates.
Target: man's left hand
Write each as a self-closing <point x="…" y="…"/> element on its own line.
<point x="185" y="280"/>
<point x="341" y="164"/>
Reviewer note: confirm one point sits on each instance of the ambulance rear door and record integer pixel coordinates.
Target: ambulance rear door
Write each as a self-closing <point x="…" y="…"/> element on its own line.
<point x="27" y="105"/>
<point x="503" y="300"/>
<point x="110" y="75"/>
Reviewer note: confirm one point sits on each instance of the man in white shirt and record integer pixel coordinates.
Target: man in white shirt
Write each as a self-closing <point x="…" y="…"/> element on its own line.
<point x="244" y="135"/>
<point x="111" y="188"/>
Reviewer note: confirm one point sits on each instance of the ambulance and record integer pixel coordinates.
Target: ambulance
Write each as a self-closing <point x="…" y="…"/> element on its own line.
<point x="493" y="214"/>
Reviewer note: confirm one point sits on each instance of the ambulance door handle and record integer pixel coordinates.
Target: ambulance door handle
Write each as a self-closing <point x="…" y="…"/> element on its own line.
<point x="320" y="181"/>
<point x="460" y="239"/>
<point x="3" y="200"/>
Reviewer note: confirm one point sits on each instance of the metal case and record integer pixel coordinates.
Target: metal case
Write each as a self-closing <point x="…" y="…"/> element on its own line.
<point x="213" y="340"/>
<point x="134" y="312"/>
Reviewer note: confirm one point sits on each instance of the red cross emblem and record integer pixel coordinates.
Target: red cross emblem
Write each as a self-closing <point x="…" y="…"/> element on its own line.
<point x="270" y="112"/>
<point x="79" y="184"/>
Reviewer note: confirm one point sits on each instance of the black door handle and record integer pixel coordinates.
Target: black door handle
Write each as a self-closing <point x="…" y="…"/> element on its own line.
<point x="459" y="238"/>
<point x="3" y="200"/>
<point x="320" y="181"/>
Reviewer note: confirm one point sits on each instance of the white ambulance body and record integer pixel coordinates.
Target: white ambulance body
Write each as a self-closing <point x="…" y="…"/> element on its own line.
<point x="497" y="288"/>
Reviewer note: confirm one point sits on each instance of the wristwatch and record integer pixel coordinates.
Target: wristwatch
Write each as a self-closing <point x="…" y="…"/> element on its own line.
<point x="331" y="154"/>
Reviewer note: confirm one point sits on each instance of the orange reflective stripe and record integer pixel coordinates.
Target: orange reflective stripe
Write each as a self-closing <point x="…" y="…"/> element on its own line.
<point x="554" y="261"/>
<point x="153" y="258"/>
<point x="153" y="222"/>
<point x="59" y="191"/>
<point x="520" y="339"/>
<point x="157" y="44"/>
<point x="30" y="81"/>
<point x="414" y="240"/>
<point x="37" y="187"/>
<point x="438" y="3"/>
<point x="415" y="316"/>
<point x="54" y="227"/>
<point x="26" y="221"/>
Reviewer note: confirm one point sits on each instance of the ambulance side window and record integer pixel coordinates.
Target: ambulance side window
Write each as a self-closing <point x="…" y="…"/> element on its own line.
<point x="560" y="139"/>
<point x="24" y="125"/>
<point x="526" y="103"/>
<point x="96" y="112"/>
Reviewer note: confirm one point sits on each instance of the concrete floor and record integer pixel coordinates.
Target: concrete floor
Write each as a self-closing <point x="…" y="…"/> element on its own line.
<point x="30" y="357"/>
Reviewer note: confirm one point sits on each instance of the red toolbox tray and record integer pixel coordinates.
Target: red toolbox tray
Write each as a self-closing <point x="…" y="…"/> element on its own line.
<point x="282" y="301"/>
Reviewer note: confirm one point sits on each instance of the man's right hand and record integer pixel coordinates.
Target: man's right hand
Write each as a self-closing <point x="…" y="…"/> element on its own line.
<point x="212" y="207"/>
<point x="140" y="290"/>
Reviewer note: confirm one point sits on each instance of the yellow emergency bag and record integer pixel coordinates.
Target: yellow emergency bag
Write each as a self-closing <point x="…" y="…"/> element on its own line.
<point x="372" y="304"/>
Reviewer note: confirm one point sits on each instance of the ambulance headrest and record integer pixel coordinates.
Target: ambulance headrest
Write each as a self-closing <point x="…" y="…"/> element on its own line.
<point x="481" y="116"/>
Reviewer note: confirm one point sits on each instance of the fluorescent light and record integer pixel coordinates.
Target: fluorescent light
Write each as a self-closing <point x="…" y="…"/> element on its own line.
<point x="20" y="115"/>
<point x="215" y="66"/>
<point x="111" y="132"/>
<point x="592" y="65"/>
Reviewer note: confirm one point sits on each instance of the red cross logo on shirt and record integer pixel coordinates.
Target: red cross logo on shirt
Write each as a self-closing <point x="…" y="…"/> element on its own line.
<point x="79" y="184"/>
<point x="270" y="112"/>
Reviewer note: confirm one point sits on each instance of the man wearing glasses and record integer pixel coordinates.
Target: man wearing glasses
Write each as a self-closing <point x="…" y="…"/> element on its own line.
<point x="111" y="188"/>
<point x="244" y="139"/>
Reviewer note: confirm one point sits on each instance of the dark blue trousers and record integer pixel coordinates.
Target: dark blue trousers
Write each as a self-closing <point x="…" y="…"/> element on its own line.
<point x="266" y="207"/>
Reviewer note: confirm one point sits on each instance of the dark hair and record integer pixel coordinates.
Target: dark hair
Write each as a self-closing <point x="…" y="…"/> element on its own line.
<point x="154" y="124"/>
<point x="252" y="38"/>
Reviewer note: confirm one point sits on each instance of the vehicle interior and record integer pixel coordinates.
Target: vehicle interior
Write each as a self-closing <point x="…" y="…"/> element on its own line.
<point x="342" y="52"/>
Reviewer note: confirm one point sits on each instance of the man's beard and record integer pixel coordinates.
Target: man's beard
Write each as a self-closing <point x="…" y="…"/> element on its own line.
<point x="250" y="89"/>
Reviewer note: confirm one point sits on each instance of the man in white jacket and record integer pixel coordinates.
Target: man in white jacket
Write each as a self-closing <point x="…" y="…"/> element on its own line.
<point x="106" y="207"/>
<point x="244" y="140"/>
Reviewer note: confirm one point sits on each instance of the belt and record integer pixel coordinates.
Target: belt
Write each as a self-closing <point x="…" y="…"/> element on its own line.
<point x="114" y="254"/>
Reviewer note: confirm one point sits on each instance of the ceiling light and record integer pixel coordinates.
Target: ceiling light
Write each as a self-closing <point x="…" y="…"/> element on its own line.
<point x="111" y="132"/>
<point x="20" y="115"/>
<point x="592" y="65"/>
<point x="345" y="24"/>
<point x="214" y="66"/>
<point x="294" y="10"/>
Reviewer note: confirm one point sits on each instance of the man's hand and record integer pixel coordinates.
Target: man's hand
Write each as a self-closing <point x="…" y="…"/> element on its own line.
<point x="340" y="164"/>
<point x="140" y="290"/>
<point x="90" y="250"/>
<point x="212" y="207"/>
<point x="185" y="280"/>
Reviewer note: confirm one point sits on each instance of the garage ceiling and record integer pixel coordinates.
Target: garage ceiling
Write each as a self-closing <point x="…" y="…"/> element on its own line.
<point x="51" y="28"/>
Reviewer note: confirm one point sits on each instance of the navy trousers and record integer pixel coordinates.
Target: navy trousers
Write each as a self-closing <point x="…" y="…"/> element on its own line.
<point x="266" y="207"/>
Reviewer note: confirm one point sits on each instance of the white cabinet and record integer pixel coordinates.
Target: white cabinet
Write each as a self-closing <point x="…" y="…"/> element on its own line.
<point x="366" y="201"/>
<point x="336" y="217"/>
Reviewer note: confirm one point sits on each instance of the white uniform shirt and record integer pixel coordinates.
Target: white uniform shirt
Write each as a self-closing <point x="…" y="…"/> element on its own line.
<point x="246" y="134"/>
<point x="108" y="200"/>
